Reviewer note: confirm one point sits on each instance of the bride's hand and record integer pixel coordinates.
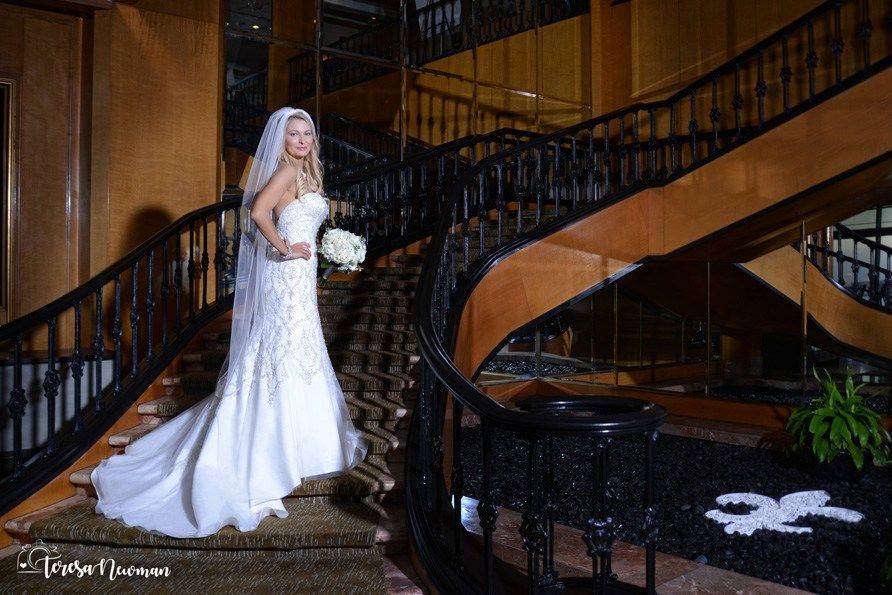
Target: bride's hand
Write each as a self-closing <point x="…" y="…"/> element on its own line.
<point x="301" y="250"/>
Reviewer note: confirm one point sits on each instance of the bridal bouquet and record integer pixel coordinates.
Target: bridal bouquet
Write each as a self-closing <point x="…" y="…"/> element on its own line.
<point x="341" y="251"/>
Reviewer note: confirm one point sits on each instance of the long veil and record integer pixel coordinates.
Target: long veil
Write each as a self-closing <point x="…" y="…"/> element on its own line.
<point x="254" y="249"/>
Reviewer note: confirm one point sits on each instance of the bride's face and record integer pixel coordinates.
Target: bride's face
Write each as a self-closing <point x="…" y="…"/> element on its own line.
<point x="298" y="138"/>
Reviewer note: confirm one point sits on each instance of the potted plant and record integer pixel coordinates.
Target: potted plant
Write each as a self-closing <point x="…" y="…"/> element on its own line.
<point x="839" y="428"/>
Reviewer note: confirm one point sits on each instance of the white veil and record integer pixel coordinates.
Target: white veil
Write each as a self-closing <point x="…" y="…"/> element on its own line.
<point x="254" y="249"/>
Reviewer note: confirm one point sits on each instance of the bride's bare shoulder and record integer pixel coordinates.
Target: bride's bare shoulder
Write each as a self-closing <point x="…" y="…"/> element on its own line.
<point x="285" y="172"/>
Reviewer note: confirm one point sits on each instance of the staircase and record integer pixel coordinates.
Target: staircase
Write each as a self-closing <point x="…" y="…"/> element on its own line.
<point x="339" y="529"/>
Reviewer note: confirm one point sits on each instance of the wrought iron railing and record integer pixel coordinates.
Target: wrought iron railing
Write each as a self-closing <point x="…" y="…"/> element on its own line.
<point x="437" y="30"/>
<point x="858" y="265"/>
<point x="402" y="202"/>
<point x="518" y="196"/>
<point x="116" y="332"/>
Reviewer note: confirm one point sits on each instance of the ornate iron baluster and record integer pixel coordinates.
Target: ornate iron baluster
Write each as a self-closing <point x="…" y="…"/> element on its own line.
<point x="811" y="60"/>
<point x="457" y="479"/>
<point x="537" y="185"/>
<point x="486" y="508"/>
<point x="177" y="283"/>
<point x="621" y="153"/>
<point x="532" y="528"/>
<point x="51" y="384"/>
<point x="693" y="127"/>
<point x="606" y="172"/>
<point x="761" y="88"/>
<point x="134" y="319"/>
<point x="16" y="405"/>
<point x="191" y="270"/>
<point x="481" y="217"/>
<point x="837" y="44"/>
<point x="651" y="523"/>
<point x="786" y="73"/>
<point x="714" y="115"/>
<point x="737" y="102"/>
<point x="165" y="293"/>
<point x="865" y="31"/>
<point x="77" y="369"/>
<point x="98" y="352"/>
<point x="150" y="306"/>
<point x="117" y="333"/>
<point x="205" y="261"/>
<point x="673" y="141"/>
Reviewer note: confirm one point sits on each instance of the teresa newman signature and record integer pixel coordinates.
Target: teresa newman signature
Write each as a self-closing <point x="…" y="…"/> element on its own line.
<point x="43" y="558"/>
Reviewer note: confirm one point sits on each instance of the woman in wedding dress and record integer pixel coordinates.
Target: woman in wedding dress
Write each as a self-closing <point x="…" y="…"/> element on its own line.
<point x="278" y="416"/>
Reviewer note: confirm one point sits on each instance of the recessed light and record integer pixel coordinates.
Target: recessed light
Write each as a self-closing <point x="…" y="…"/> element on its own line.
<point x="255" y="26"/>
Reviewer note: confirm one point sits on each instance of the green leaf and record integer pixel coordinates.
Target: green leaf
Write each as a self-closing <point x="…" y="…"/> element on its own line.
<point x="857" y="455"/>
<point x="839" y="431"/>
<point x="818" y="426"/>
<point x="860" y="431"/>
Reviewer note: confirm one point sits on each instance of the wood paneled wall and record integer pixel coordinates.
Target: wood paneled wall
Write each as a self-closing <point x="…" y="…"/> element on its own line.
<point x="42" y="53"/>
<point x="674" y="42"/>
<point x="157" y="108"/>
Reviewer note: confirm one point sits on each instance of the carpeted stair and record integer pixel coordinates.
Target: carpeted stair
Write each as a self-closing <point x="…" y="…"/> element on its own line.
<point x="338" y="529"/>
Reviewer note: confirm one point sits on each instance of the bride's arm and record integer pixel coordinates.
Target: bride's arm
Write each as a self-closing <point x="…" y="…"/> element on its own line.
<point x="263" y="205"/>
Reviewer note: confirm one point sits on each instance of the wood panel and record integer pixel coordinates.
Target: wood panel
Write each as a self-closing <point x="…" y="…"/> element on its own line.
<point x="673" y="43"/>
<point x="41" y="53"/>
<point x="827" y="141"/>
<point x="156" y="117"/>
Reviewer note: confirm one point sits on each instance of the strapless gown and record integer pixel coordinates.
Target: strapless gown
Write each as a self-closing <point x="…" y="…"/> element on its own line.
<point x="230" y="461"/>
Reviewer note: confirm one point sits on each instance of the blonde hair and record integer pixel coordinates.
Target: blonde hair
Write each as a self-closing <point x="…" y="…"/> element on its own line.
<point x="312" y="165"/>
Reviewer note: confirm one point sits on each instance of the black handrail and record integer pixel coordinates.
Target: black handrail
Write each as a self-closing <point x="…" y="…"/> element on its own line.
<point x="435" y="31"/>
<point x="579" y="170"/>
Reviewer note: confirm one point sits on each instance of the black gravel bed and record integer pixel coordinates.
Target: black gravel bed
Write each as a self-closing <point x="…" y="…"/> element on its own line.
<point x="836" y="557"/>
<point x="763" y="394"/>
<point x="526" y="366"/>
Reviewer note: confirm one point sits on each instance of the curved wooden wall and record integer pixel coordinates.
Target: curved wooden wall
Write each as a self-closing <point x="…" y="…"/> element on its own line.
<point x="827" y="141"/>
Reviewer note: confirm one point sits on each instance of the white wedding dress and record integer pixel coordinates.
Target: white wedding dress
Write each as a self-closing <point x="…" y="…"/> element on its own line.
<point x="230" y="460"/>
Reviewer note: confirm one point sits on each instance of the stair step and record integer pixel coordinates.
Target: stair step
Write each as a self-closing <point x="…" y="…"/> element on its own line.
<point x="356" y="300"/>
<point x="305" y="571"/>
<point x="368" y="379"/>
<point x="369" y="477"/>
<point x="312" y="522"/>
<point x="363" y="405"/>
<point x="378" y="432"/>
<point x="213" y="358"/>
<point x="374" y="282"/>
<point x="332" y="331"/>
<point x="130" y="435"/>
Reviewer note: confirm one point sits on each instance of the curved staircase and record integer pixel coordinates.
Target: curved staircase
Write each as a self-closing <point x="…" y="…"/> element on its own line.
<point x="338" y="529"/>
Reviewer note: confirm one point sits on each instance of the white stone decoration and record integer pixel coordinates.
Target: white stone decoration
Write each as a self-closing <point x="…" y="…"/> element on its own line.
<point x="775" y="515"/>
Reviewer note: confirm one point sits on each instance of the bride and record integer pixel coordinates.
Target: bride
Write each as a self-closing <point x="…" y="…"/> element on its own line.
<point x="277" y="416"/>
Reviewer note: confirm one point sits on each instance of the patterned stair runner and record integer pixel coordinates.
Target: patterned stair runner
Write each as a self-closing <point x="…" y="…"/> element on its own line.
<point x="338" y="529"/>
